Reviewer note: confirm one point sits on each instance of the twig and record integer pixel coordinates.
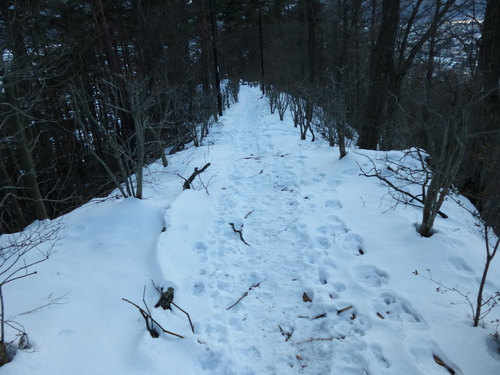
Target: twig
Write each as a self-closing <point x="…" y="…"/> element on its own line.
<point x="287" y="334"/>
<point x="190" y="322"/>
<point x="322" y="339"/>
<point x="320" y="316"/>
<point x="243" y="296"/>
<point x="189" y="181"/>
<point x="234" y="304"/>
<point x="52" y="302"/>
<point x="240" y="232"/>
<point x="344" y="309"/>
<point x="147" y="316"/>
<point x="169" y="295"/>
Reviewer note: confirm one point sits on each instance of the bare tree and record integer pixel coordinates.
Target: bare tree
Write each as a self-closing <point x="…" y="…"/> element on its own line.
<point x="482" y="300"/>
<point x="445" y="170"/>
<point x="332" y="118"/>
<point x="19" y="253"/>
<point x="381" y="64"/>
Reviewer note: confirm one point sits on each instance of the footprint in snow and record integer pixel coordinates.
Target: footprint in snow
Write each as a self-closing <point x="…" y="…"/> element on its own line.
<point x="349" y="171"/>
<point x="334" y="204"/>
<point x="311" y="207"/>
<point x="354" y="244"/>
<point x="201" y="249"/>
<point x="339" y="287"/>
<point x="311" y="257"/>
<point x="252" y="353"/>
<point x="460" y="265"/>
<point x="370" y="275"/>
<point x="334" y="183"/>
<point x="388" y="305"/>
<point x="75" y="231"/>
<point x="331" y="186"/>
<point x="198" y="288"/>
<point x="379" y="356"/>
<point x="323" y="275"/>
<point x="322" y="242"/>
<point x="319" y="177"/>
<point x="337" y="224"/>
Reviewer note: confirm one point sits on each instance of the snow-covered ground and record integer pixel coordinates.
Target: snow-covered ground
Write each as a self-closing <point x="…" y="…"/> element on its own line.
<point x="326" y="283"/>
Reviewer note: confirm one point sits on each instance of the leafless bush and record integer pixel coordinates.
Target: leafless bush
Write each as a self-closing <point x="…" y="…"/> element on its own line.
<point x="19" y="253"/>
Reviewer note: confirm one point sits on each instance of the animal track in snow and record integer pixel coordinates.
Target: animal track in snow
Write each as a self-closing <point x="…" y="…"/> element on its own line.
<point x="370" y="275"/>
<point x="349" y="171"/>
<point x="322" y="242"/>
<point x="323" y="275"/>
<point x="394" y="308"/>
<point x="337" y="224"/>
<point x="311" y="256"/>
<point x="460" y="265"/>
<point x="354" y="244"/>
<point x="75" y="231"/>
<point x="333" y="203"/>
<point x="319" y="177"/>
<point x="379" y="357"/>
<point x="331" y="186"/>
<point x="334" y="183"/>
<point x="339" y="287"/>
<point x="199" y="288"/>
<point x="311" y="207"/>
<point x="201" y="249"/>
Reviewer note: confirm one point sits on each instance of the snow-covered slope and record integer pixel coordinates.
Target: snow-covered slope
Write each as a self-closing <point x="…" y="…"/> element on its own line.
<point x="325" y="283"/>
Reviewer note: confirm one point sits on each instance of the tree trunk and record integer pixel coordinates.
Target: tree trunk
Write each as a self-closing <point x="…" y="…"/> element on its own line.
<point x="381" y="65"/>
<point x="26" y="159"/>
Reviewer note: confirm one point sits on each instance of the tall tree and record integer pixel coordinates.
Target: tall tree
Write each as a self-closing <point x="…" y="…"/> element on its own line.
<point x="382" y="60"/>
<point x="14" y="77"/>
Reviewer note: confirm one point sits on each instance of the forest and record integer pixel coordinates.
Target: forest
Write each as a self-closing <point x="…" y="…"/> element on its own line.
<point x="92" y="91"/>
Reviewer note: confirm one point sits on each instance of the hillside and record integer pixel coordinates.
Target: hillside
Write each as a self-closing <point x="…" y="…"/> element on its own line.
<point x="287" y="260"/>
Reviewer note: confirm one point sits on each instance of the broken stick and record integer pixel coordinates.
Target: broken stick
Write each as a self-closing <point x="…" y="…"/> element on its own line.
<point x="243" y="296"/>
<point x="240" y="232"/>
<point x="189" y="181"/>
<point x="147" y="316"/>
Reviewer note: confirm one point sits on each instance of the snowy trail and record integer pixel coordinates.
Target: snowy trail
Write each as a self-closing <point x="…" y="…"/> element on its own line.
<point x="324" y="285"/>
<point x="258" y="319"/>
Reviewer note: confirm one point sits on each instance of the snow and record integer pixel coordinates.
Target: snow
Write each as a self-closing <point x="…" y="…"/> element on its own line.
<point x="315" y="230"/>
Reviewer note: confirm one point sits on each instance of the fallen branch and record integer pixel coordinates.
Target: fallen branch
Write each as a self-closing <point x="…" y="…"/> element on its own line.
<point x="240" y="232"/>
<point x="440" y="362"/>
<point x="321" y="339"/>
<point x="287" y="334"/>
<point x="146" y="317"/>
<point x="344" y="309"/>
<point x="166" y="299"/>
<point x="189" y="318"/>
<point x="243" y="296"/>
<point x="189" y="181"/>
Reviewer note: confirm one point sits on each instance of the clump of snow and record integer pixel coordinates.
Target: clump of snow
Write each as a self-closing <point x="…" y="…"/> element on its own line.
<point x="314" y="227"/>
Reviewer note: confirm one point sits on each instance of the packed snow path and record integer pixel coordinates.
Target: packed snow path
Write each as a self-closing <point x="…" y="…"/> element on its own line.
<point x="287" y="260"/>
<point x="271" y="194"/>
<point x="272" y="300"/>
